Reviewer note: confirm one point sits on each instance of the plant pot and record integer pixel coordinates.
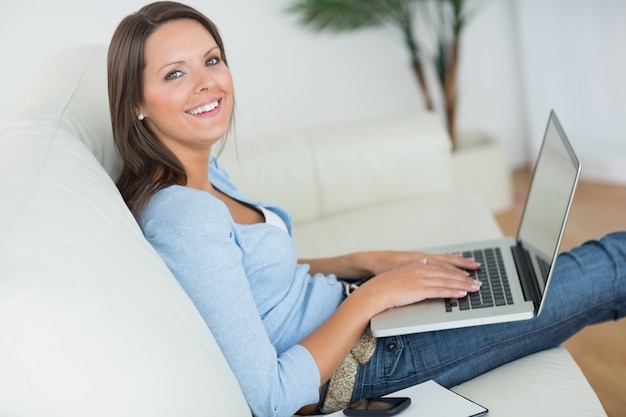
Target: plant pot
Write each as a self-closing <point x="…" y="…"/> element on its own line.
<point x="481" y="167"/>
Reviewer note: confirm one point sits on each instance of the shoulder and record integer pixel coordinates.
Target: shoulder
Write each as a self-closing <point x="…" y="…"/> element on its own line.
<point x="183" y="208"/>
<point x="178" y="199"/>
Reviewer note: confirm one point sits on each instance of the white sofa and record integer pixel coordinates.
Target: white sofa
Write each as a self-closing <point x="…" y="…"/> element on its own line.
<point x="92" y="323"/>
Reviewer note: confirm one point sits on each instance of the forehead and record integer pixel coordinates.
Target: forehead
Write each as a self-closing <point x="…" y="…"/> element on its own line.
<point x="177" y="39"/>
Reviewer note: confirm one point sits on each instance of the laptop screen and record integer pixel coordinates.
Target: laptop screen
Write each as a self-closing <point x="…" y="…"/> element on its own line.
<point x="549" y="198"/>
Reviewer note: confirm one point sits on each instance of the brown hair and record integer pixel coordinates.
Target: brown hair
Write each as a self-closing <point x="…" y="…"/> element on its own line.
<point x="148" y="166"/>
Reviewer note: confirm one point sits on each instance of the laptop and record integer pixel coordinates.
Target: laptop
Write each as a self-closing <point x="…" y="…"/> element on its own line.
<point x="515" y="272"/>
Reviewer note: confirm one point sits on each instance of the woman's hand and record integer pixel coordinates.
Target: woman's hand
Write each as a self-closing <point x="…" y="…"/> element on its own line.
<point x="367" y="264"/>
<point x="433" y="276"/>
<point x="378" y="262"/>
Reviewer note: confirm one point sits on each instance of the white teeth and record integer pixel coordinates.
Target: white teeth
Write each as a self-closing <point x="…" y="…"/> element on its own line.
<point x="204" y="109"/>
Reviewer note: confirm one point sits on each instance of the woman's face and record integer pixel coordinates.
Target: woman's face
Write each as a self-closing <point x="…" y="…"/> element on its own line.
<point x="188" y="89"/>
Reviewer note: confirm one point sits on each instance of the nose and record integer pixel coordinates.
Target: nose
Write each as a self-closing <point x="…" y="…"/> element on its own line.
<point x="205" y="82"/>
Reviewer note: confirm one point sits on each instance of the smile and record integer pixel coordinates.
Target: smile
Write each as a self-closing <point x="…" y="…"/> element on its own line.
<point x="204" y="109"/>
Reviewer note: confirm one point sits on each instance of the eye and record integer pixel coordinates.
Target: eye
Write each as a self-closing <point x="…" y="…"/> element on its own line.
<point x="212" y="61"/>
<point x="173" y="75"/>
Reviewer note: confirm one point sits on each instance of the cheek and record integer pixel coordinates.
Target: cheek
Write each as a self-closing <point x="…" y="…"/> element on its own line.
<point x="226" y="82"/>
<point x="160" y="100"/>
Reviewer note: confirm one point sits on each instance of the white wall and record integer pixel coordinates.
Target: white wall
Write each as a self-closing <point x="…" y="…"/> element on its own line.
<point x="286" y="76"/>
<point x="574" y="60"/>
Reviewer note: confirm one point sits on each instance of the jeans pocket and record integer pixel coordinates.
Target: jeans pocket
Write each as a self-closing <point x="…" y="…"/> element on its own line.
<point x="398" y="360"/>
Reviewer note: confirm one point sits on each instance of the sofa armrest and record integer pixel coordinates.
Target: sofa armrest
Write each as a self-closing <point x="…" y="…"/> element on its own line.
<point x="317" y="172"/>
<point x="547" y="383"/>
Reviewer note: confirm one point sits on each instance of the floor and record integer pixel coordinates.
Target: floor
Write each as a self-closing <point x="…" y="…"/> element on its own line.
<point x="599" y="350"/>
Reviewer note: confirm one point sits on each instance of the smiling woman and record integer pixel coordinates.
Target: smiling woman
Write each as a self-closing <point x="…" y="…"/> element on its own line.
<point x="293" y="336"/>
<point x="188" y="93"/>
<point x="171" y="95"/>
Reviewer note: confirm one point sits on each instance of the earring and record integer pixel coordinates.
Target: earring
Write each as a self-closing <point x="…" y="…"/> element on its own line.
<point x="140" y="116"/>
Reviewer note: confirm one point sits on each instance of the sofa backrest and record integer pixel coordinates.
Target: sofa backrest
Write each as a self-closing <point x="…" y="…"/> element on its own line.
<point x="92" y="322"/>
<point x="73" y="99"/>
<point x="313" y="172"/>
<point x="323" y="171"/>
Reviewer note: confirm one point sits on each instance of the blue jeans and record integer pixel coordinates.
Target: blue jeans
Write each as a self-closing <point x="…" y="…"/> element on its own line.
<point x="589" y="286"/>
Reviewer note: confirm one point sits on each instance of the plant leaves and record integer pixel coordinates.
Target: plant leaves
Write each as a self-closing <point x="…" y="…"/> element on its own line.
<point x="343" y="15"/>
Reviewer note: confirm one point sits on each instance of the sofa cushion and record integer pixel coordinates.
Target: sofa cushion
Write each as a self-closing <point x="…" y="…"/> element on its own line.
<point x="546" y="384"/>
<point x="414" y="223"/>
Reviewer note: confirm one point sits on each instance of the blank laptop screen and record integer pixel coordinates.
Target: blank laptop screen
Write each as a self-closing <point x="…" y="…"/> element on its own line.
<point x="547" y="206"/>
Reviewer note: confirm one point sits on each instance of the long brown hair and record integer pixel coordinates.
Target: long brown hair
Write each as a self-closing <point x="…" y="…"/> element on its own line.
<point x="148" y="166"/>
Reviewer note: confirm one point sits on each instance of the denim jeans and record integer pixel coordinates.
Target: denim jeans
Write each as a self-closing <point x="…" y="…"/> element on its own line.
<point x="588" y="286"/>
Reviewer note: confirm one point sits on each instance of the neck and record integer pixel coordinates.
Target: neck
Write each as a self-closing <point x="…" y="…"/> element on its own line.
<point x="198" y="176"/>
<point x="196" y="165"/>
<point x="195" y="161"/>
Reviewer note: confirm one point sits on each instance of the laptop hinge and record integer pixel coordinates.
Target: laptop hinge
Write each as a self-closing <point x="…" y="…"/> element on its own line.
<point x="527" y="275"/>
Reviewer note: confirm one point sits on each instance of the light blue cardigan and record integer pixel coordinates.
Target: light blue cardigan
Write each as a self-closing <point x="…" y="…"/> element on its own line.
<point x="258" y="302"/>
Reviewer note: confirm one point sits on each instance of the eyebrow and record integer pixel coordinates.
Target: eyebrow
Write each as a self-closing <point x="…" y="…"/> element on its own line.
<point x="182" y="62"/>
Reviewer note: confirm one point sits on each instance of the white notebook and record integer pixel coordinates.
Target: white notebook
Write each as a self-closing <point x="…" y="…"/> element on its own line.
<point x="430" y="399"/>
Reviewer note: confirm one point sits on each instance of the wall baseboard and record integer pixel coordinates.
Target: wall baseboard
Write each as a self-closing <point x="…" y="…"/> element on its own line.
<point x="607" y="169"/>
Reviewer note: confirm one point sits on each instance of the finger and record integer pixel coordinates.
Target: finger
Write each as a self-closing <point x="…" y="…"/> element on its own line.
<point x="435" y="264"/>
<point x="430" y="288"/>
<point x="447" y="277"/>
<point x="441" y="288"/>
<point x="437" y="292"/>
<point x="453" y="282"/>
<point x="456" y="260"/>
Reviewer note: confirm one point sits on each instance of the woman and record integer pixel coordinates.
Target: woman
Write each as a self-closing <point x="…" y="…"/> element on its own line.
<point x="291" y="335"/>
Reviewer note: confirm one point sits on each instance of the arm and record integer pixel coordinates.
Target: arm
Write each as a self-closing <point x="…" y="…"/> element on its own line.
<point x="407" y="284"/>
<point x="366" y="264"/>
<point x="195" y="239"/>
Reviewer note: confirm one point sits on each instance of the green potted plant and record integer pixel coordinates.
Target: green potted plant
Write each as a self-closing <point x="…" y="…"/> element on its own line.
<point x="431" y="32"/>
<point x="442" y="20"/>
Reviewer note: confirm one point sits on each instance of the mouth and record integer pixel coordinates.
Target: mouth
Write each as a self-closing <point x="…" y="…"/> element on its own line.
<point x="204" y="109"/>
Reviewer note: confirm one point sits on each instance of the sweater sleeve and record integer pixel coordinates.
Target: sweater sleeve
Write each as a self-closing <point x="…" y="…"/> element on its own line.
<point x="194" y="235"/>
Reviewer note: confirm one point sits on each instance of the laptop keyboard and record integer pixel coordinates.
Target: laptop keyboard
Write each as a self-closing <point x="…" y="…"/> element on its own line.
<point x="495" y="289"/>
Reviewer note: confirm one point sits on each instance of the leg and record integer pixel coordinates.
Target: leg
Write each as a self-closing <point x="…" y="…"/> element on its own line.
<point x="589" y="286"/>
